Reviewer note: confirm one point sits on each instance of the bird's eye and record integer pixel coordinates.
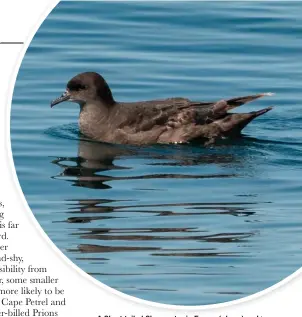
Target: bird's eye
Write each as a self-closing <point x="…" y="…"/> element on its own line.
<point x="79" y="87"/>
<point x="76" y="86"/>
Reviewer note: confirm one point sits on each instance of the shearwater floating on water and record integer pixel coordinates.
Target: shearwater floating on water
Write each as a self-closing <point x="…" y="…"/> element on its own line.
<point x="173" y="120"/>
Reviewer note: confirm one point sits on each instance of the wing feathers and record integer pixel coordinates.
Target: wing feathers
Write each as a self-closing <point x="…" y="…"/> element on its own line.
<point x="221" y="106"/>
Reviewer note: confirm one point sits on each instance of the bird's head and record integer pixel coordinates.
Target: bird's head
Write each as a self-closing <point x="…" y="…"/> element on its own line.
<point x="85" y="88"/>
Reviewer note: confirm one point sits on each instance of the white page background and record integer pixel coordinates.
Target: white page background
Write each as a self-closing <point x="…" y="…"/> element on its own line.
<point x="19" y="20"/>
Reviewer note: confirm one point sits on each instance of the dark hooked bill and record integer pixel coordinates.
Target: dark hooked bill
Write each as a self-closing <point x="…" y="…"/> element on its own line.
<point x="64" y="97"/>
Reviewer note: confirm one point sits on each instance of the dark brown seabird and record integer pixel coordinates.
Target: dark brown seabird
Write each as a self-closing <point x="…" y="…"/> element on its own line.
<point x="173" y="120"/>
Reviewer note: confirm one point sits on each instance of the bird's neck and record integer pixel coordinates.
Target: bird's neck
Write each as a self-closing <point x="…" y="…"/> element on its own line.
<point x="104" y="93"/>
<point x="96" y="106"/>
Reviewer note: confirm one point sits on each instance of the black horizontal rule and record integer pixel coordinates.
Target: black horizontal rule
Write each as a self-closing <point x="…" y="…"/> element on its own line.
<point x="11" y="42"/>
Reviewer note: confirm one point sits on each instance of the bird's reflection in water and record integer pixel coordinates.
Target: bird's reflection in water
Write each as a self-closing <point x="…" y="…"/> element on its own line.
<point x="92" y="158"/>
<point x="129" y="225"/>
<point x="95" y="157"/>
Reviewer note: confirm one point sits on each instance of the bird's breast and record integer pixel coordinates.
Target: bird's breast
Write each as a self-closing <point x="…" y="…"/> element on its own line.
<point x="93" y="122"/>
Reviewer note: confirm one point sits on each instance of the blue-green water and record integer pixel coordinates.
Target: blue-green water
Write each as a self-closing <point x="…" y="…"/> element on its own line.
<point x="172" y="224"/>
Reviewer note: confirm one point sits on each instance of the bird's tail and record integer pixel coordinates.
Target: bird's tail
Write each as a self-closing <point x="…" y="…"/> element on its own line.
<point x="238" y="101"/>
<point x="216" y="110"/>
<point x="233" y="123"/>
